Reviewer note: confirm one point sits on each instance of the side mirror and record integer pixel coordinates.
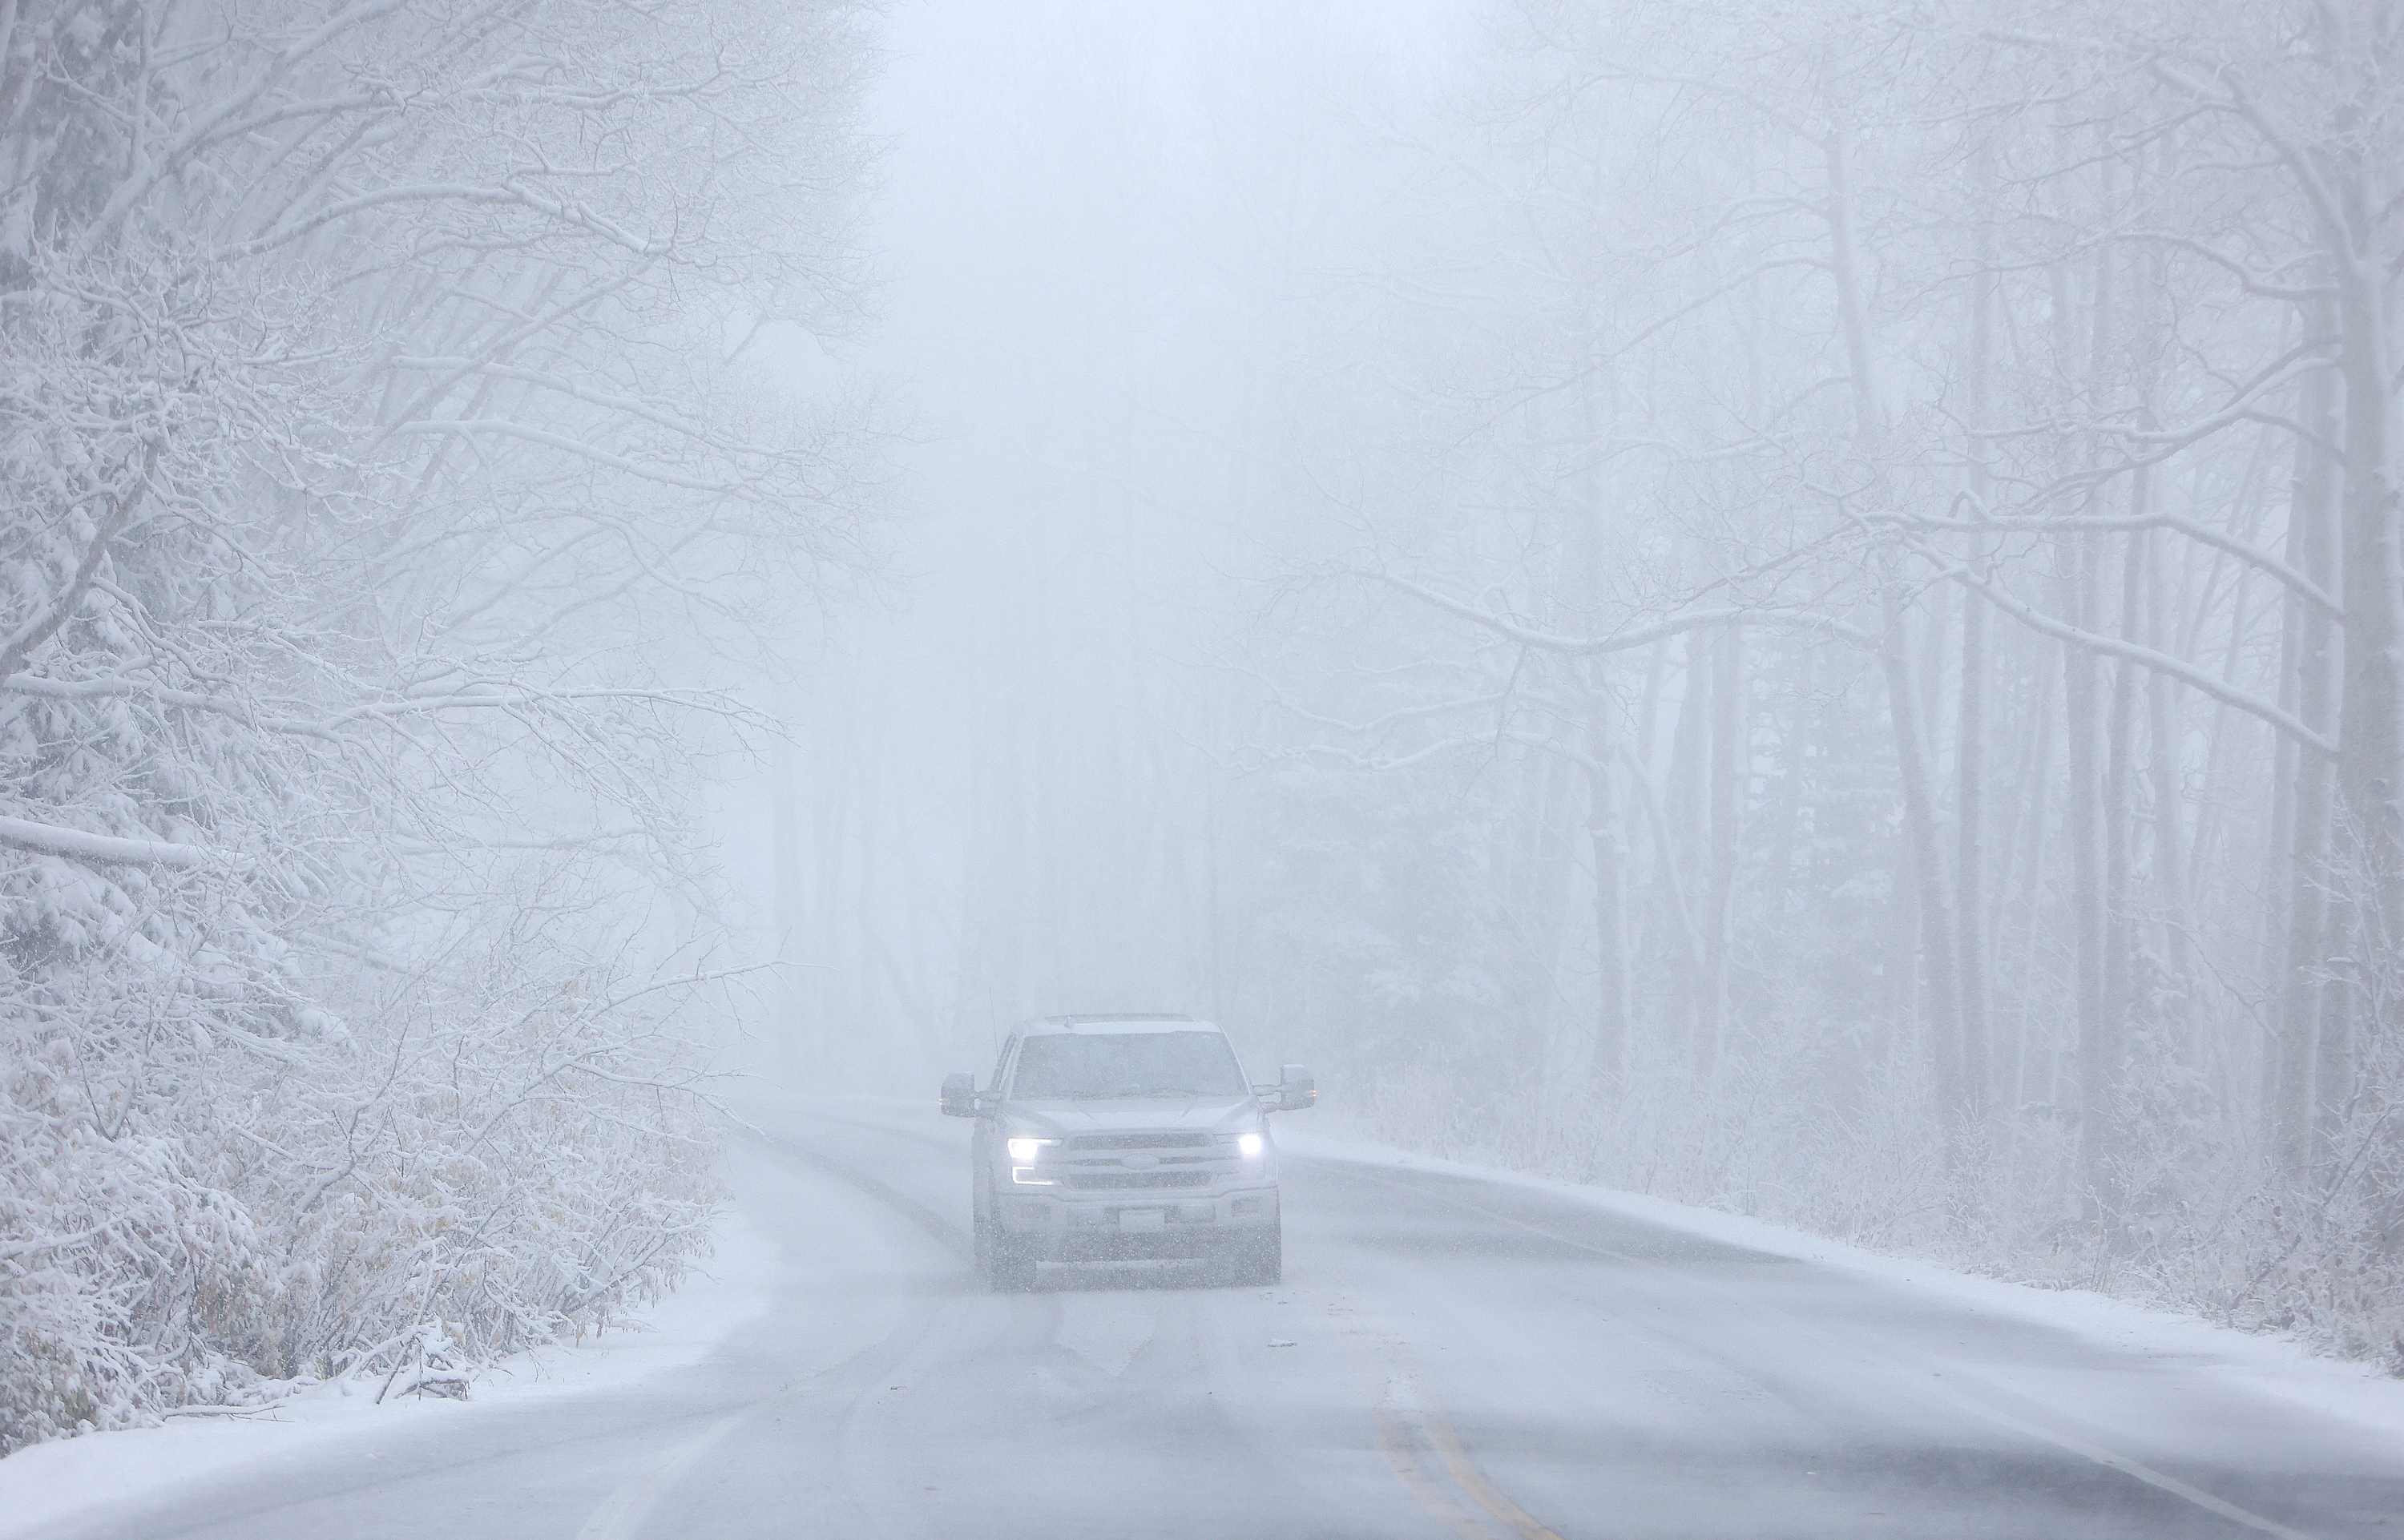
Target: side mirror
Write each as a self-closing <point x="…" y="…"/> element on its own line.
<point x="1298" y="1092"/>
<point x="959" y="1095"/>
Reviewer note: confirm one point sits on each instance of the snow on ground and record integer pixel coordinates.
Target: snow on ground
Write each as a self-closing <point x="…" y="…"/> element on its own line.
<point x="47" y="1481"/>
<point x="2279" y="1367"/>
<point x="41" y="1484"/>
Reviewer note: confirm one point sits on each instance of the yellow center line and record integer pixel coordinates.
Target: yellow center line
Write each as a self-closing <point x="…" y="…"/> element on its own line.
<point x="1465" y="1470"/>
<point x="1394" y="1438"/>
<point x="1394" y="1441"/>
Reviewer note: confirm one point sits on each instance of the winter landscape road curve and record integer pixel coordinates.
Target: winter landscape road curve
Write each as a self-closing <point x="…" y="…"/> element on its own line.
<point x="1449" y="1356"/>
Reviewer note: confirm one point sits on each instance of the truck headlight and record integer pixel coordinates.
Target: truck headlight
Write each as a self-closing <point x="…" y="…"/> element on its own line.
<point x="1250" y="1144"/>
<point x="1022" y="1150"/>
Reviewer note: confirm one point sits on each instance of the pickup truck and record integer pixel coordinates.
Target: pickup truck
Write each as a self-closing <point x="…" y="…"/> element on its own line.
<point x="1124" y="1141"/>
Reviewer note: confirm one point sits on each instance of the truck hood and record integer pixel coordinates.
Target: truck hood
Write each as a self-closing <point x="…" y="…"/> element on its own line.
<point x="1062" y="1119"/>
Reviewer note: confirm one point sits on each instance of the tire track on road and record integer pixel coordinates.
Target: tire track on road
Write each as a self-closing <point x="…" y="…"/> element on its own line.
<point x="623" y="1514"/>
<point x="947" y="1233"/>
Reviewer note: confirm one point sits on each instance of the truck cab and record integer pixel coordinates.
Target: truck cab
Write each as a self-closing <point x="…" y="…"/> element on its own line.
<point x="1127" y="1140"/>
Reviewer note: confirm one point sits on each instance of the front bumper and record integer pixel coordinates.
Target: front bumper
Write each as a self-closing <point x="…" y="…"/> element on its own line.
<point x="1135" y="1226"/>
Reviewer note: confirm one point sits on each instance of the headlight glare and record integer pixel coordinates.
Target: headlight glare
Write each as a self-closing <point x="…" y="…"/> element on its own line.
<point x="1250" y="1144"/>
<point x="1024" y="1150"/>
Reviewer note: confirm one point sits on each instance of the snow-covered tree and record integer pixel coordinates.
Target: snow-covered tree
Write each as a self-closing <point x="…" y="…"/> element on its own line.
<point x="380" y="478"/>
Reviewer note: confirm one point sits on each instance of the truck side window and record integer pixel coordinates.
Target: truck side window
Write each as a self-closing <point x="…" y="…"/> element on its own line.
<point x="1002" y="1065"/>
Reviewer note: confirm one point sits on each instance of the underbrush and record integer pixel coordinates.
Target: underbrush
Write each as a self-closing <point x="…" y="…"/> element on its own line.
<point x="208" y="1207"/>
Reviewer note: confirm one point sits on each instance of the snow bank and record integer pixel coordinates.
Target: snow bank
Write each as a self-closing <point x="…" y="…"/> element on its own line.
<point x="2280" y="1366"/>
<point x="46" y="1482"/>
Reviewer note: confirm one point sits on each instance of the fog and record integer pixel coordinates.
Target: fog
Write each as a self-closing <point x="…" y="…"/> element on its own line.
<point x="1654" y="599"/>
<point x="1777" y="628"/>
<point x="1015" y="772"/>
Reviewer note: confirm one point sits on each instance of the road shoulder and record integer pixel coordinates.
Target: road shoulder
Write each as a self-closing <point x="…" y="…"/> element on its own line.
<point x="2281" y="1367"/>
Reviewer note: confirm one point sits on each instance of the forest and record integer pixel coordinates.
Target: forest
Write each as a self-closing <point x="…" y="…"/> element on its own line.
<point x="1924" y="525"/>
<point x="1794" y="607"/>
<point x="1791" y="608"/>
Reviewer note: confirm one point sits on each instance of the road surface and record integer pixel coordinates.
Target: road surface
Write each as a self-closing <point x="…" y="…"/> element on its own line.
<point x="1448" y="1357"/>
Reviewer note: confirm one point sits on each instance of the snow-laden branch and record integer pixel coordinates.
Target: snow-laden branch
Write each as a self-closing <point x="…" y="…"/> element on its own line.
<point x="1627" y="640"/>
<point x="171" y="157"/>
<point x="1405" y="713"/>
<point x="2160" y="663"/>
<point x="2242" y="405"/>
<point x="515" y="698"/>
<point x="467" y="427"/>
<point x="43" y="626"/>
<point x="558" y="842"/>
<point x="324" y="728"/>
<point x="1445" y="746"/>
<point x="458" y="368"/>
<point x="1646" y="333"/>
<point x="2326" y="203"/>
<point x="2252" y="282"/>
<point x="2254" y="557"/>
<point x="50" y="689"/>
<point x="50" y="839"/>
<point x="10" y="1251"/>
<point x="448" y="192"/>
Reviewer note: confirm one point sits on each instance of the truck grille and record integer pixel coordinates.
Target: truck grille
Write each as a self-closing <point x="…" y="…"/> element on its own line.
<point x="1166" y="1139"/>
<point x="1139" y="1178"/>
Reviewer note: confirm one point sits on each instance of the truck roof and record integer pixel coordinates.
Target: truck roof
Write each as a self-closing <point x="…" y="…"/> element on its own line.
<point x="1124" y="1021"/>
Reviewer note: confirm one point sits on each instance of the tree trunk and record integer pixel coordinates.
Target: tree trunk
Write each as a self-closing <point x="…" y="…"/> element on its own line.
<point x="2082" y="803"/>
<point x="1936" y="946"/>
<point x="1727" y="786"/>
<point x="785" y="835"/>
<point x="2370" y="848"/>
<point x="1939" y="956"/>
<point x="2304" y="981"/>
<point x="1606" y="836"/>
<point x="1686" y="843"/>
<point x="2121" y="956"/>
<point x="2165" y="759"/>
<point x="1970" y="750"/>
<point x="2099" y="1037"/>
<point x="1970" y="836"/>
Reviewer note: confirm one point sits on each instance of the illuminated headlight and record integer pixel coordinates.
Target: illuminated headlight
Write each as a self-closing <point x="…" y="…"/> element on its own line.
<point x="1250" y="1144"/>
<point x="1024" y="1150"/>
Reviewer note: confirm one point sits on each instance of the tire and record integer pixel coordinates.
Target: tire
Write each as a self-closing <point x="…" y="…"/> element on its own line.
<point x="1259" y="1261"/>
<point x="1007" y="1269"/>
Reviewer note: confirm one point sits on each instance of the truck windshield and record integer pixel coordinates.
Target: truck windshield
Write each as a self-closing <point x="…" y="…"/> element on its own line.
<point x="1078" y="1067"/>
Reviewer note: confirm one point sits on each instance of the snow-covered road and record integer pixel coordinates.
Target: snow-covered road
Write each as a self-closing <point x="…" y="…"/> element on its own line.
<point x="1450" y="1356"/>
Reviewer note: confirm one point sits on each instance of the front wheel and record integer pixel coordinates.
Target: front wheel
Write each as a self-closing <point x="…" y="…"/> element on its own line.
<point x="1007" y="1269"/>
<point x="1259" y="1260"/>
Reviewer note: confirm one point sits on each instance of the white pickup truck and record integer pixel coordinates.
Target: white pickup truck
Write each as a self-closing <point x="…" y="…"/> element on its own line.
<point x="1124" y="1141"/>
